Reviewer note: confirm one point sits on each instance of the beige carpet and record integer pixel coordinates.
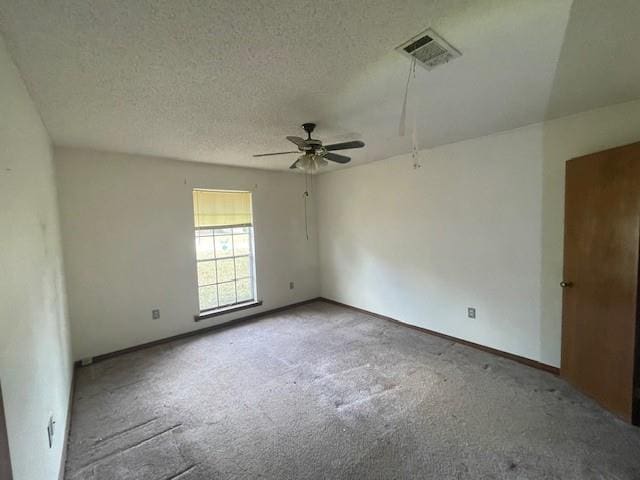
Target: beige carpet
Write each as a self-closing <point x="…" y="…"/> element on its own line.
<point x="323" y="392"/>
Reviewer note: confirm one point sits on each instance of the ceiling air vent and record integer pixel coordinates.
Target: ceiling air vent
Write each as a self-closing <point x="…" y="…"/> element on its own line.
<point x="429" y="49"/>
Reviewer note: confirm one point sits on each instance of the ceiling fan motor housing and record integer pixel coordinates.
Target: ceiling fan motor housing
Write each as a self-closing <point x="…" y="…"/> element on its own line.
<point x="312" y="144"/>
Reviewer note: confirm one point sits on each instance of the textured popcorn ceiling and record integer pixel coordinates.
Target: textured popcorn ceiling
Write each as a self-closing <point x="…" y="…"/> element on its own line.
<point x="216" y="81"/>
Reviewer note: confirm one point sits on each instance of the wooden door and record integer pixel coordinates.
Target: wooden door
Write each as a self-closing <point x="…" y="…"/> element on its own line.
<point x="5" y="460"/>
<point x="602" y="239"/>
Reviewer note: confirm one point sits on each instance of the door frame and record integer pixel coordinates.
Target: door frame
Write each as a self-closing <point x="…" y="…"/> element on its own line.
<point x="635" y="404"/>
<point x="5" y="457"/>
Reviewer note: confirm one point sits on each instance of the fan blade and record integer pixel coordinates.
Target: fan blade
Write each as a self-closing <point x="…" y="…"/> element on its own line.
<point x="277" y="153"/>
<point x="334" y="157"/>
<point x="344" y="145"/>
<point x="294" y="165"/>
<point x="298" y="141"/>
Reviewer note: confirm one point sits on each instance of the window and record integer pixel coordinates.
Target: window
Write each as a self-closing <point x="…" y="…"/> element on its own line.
<point x="224" y="248"/>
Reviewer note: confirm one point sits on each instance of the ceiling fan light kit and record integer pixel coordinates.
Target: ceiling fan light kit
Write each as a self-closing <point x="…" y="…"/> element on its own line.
<point x="315" y="155"/>
<point x="311" y="163"/>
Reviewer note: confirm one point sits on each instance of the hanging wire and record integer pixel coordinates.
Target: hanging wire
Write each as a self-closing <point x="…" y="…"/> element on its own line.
<point x="403" y="113"/>
<point x="403" y="116"/>
<point x="414" y="135"/>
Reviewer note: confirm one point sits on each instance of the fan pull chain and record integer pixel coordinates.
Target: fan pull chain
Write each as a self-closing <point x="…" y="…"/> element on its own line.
<point x="306" y="196"/>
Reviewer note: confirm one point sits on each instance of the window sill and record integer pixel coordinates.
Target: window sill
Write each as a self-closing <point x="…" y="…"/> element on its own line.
<point x="222" y="311"/>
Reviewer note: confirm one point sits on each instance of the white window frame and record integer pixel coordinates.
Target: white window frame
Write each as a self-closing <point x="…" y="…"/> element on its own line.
<point x="252" y="265"/>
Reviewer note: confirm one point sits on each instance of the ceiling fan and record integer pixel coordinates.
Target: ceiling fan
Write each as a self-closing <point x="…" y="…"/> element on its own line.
<point x="315" y="155"/>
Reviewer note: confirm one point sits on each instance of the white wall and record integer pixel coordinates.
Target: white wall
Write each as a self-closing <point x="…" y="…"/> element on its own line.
<point x="480" y="224"/>
<point x="127" y="224"/>
<point x="35" y="359"/>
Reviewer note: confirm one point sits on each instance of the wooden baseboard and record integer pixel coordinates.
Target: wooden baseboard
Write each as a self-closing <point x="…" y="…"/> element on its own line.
<point x="67" y="427"/>
<point x="200" y="331"/>
<point x="516" y="358"/>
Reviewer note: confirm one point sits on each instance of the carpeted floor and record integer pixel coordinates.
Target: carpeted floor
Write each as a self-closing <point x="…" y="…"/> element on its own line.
<point x="323" y="392"/>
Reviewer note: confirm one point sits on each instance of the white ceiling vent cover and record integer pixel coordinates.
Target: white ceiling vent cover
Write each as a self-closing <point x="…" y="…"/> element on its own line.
<point x="429" y="49"/>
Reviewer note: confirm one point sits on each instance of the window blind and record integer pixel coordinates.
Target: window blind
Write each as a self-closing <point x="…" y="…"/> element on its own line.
<point x="216" y="208"/>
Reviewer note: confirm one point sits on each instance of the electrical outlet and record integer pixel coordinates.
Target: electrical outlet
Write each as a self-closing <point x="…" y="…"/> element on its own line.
<point x="291" y="285"/>
<point x="155" y="314"/>
<point x="50" y="430"/>
<point x="471" y="312"/>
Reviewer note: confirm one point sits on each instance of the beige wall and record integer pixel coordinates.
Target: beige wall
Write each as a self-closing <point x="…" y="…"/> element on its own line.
<point x="127" y="225"/>
<point x="480" y="225"/>
<point x="35" y="359"/>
